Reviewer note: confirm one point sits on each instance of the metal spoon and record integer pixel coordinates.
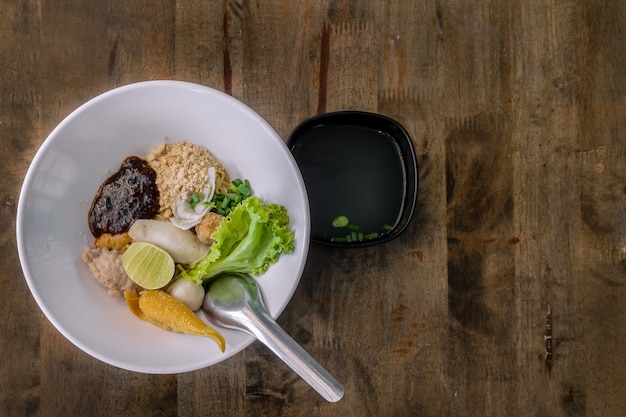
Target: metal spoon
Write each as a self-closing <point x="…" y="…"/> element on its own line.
<point x="234" y="301"/>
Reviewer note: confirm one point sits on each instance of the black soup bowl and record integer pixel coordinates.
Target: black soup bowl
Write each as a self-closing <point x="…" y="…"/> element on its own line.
<point x="360" y="174"/>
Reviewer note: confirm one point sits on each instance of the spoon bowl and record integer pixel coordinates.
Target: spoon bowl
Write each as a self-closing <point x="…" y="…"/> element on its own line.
<point x="234" y="301"/>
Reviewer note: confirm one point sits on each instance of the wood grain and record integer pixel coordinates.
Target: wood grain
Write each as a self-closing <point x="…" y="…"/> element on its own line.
<point x="518" y="117"/>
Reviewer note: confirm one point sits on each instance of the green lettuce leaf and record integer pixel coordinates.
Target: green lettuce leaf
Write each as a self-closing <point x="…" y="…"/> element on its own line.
<point x="249" y="240"/>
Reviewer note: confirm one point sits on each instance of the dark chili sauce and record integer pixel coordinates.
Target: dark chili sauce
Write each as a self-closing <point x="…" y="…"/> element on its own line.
<point x="129" y="194"/>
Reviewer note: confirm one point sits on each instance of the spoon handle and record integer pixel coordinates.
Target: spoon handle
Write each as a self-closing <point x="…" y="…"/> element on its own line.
<point x="264" y="328"/>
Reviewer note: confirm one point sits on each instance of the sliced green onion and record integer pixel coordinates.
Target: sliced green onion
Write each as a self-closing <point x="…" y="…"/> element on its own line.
<point x="340" y="221"/>
<point x="353" y="227"/>
<point x="194" y="200"/>
<point x="242" y="189"/>
<point x="370" y="236"/>
<point x="238" y="191"/>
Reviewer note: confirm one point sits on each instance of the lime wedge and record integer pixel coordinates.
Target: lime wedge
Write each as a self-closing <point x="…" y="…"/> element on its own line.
<point x="147" y="265"/>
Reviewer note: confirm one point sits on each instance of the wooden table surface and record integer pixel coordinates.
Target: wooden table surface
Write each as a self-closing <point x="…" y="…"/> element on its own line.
<point x="518" y="115"/>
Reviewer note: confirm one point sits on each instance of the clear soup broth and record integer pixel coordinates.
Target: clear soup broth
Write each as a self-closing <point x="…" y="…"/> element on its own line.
<point x="355" y="172"/>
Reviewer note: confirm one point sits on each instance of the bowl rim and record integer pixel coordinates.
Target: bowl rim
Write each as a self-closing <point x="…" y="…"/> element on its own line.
<point x="54" y="137"/>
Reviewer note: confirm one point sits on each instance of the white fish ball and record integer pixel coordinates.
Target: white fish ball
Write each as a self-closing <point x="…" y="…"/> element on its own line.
<point x="189" y="293"/>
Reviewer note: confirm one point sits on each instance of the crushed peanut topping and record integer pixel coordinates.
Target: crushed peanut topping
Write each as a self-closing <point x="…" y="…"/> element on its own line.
<point x="182" y="169"/>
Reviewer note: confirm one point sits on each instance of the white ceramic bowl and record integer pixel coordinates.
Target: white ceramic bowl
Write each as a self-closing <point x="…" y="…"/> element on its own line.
<point x="82" y="151"/>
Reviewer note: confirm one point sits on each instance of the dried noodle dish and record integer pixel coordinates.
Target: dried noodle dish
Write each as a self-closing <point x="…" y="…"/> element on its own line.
<point x="166" y="224"/>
